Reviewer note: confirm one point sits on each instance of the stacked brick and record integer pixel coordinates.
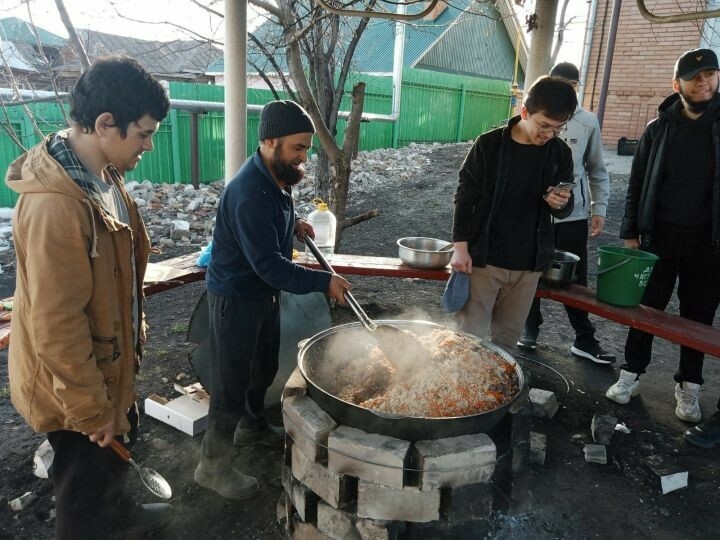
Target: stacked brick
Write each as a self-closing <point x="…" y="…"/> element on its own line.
<point x="342" y="482"/>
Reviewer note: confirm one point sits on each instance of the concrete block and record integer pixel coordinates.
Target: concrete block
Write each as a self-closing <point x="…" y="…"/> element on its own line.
<point x="538" y="444"/>
<point x="336" y="523"/>
<point x="464" y="503"/>
<point x="544" y="403"/>
<point x="603" y="428"/>
<point x="671" y="476"/>
<point x="287" y="450"/>
<point x="595" y="453"/>
<point x="307" y="531"/>
<point x="302" y="499"/>
<point x="308" y="425"/>
<point x="376" y="529"/>
<point x="369" y="456"/>
<point x="295" y="385"/>
<point x="406" y="504"/>
<point x="337" y="490"/>
<point x="455" y="461"/>
<point x="42" y="460"/>
<point x="520" y="438"/>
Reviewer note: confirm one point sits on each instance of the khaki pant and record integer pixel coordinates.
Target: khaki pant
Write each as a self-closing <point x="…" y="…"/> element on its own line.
<point x="499" y="303"/>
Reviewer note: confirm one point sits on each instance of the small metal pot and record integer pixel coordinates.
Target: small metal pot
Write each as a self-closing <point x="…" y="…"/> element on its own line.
<point x="422" y="252"/>
<point x="562" y="269"/>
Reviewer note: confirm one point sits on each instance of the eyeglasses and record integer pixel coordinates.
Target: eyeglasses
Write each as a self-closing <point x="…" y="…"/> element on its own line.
<point x="545" y="129"/>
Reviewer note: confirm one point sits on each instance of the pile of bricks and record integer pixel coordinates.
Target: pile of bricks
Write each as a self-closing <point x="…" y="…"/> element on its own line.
<point x="342" y="482"/>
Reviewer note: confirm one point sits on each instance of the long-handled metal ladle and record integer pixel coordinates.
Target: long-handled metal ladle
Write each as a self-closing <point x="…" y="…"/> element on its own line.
<point x="151" y="479"/>
<point x="397" y="344"/>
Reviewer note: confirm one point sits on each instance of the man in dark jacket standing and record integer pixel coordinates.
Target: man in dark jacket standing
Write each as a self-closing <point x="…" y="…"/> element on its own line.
<point x="591" y="193"/>
<point x="672" y="210"/>
<point x="502" y="229"/>
<point x="251" y="263"/>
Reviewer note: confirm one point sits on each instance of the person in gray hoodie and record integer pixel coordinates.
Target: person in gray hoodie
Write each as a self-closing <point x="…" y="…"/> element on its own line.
<point x="591" y="193"/>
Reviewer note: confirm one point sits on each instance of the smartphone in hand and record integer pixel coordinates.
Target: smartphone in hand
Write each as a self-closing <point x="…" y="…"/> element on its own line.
<point x="564" y="186"/>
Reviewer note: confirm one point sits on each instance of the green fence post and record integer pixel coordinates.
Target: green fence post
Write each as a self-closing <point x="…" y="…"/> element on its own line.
<point x="461" y="114"/>
<point x="175" y="145"/>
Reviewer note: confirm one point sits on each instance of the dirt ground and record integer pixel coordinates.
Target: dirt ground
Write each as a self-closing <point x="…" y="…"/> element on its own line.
<point x="566" y="498"/>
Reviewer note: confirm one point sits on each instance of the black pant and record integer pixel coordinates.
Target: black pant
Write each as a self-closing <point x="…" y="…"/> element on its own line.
<point x="244" y="349"/>
<point x="88" y="483"/>
<point x="569" y="236"/>
<point x="686" y="256"/>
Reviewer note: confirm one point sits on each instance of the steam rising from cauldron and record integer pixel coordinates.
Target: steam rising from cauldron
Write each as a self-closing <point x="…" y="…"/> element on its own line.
<point x="348" y="356"/>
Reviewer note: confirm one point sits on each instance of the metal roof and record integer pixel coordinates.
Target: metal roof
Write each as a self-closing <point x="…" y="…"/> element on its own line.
<point x="475" y="45"/>
<point x="462" y="23"/>
<point x="177" y="58"/>
<point x="20" y="31"/>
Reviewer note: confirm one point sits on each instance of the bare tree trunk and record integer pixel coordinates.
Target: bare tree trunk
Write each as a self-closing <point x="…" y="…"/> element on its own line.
<point x="541" y="43"/>
<point x="341" y="182"/>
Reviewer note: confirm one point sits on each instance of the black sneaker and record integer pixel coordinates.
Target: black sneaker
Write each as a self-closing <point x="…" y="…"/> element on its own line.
<point x="528" y="341"/>
<point x="142" y="519"/>
<point x="705" y="435"/>
<point x="268" y="435"/>
<point x="593" y="352"/>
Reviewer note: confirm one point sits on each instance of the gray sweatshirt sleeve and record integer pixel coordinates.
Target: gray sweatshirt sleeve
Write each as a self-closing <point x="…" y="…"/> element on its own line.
<point x="598" y="178"/>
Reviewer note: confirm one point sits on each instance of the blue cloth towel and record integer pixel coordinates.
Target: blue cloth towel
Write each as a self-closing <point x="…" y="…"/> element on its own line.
<point x="457" y="292"/>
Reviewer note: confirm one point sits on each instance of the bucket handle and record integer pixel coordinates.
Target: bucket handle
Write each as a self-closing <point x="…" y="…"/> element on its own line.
<point x="613" y="267"/>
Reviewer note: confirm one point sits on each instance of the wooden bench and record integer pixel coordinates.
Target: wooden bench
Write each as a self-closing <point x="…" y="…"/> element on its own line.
<point x="181" y="270"/>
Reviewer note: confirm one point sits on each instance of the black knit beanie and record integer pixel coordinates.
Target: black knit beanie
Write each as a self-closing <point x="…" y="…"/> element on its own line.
<point x="280" y="118"/>
<point x="566" y="70"/>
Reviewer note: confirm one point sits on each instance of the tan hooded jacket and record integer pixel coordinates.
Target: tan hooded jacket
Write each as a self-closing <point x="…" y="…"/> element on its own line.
<point x="72" y="359"/>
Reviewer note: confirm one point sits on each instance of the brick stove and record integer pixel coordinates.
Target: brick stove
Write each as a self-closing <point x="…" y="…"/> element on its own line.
<point x="344" y="483"/>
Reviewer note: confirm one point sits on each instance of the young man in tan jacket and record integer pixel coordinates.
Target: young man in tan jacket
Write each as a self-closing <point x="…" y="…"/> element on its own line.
<point x="77" y="327"/>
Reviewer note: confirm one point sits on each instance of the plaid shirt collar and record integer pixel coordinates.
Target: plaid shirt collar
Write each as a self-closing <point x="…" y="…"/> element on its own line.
<point x="60" y="150"/>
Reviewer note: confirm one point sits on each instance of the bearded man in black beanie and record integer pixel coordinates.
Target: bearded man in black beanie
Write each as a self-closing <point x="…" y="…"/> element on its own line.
<point x="251" y="263"/>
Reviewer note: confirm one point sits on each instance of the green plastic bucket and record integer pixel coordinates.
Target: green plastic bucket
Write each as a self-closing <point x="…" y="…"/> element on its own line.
<point x="623" y="274"/>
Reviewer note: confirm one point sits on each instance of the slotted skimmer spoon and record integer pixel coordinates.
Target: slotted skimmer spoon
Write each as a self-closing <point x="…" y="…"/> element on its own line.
<point x="152" y="479"/>
<point x="400" y="346"/>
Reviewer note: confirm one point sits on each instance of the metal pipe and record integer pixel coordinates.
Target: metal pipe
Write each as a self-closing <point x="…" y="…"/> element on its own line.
<point x="194" y="151"/>
<point x="398" y="59"/>
<point x="608" y="60"/>
<point x="179" y="104"/>
<point x="235" y="86"/>
<point x="587" y="46"/>
<point x="379" y="15"/>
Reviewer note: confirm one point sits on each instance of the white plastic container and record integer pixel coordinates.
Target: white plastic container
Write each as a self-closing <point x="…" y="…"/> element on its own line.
<point x="324" y="224"/>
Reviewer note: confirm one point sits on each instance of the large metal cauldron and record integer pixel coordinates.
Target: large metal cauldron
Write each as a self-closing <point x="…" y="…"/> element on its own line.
<point x="323" y="354"/>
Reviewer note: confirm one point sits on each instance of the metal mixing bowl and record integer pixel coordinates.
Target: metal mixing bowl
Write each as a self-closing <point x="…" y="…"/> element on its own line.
<point x="421" y="252"/>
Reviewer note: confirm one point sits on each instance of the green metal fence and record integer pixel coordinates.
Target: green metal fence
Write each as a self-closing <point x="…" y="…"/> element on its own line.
<point x="435" y="107"/>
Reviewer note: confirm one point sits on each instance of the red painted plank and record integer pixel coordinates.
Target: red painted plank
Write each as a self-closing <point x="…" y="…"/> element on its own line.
<point x="178" y="271"/>
<point x="361" y="265"/>
<point x="659" y="323"/>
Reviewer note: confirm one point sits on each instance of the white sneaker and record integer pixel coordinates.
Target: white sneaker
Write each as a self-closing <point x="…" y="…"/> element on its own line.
<point x="688" y="406"/>
<point x="627" y="386"/>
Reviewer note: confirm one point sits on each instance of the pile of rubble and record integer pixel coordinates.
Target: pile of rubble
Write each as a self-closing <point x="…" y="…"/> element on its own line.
<point x="178" y="214"/>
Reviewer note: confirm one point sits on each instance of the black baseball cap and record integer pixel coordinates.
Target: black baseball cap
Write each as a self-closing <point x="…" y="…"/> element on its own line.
<point x="693" y="62"/>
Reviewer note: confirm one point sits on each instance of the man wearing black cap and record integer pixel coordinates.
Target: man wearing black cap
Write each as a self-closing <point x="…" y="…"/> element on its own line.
<point x="672" y="209"/>
<point x="591" y="191"/>
<point x="251" y="263"/>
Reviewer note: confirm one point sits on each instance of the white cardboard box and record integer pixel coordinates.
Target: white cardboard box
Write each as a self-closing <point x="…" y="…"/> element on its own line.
<point x="188" y="413"/>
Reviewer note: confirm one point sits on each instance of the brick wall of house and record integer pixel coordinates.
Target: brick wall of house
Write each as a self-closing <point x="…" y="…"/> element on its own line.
<point x="643" y="62"/>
